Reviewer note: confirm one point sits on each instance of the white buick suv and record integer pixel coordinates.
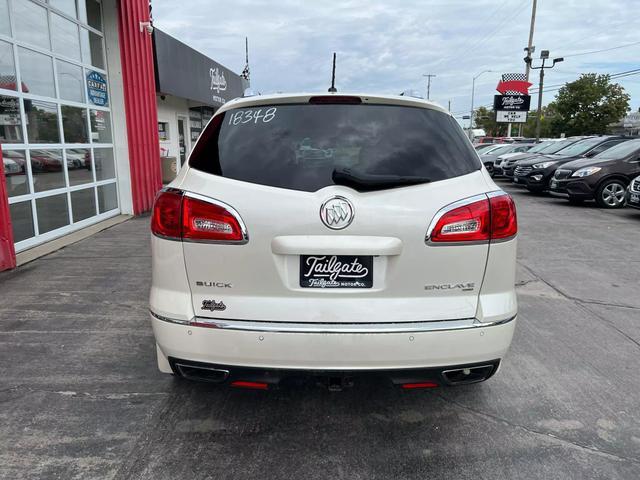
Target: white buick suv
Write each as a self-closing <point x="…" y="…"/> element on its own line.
<point x="333" y="236"/>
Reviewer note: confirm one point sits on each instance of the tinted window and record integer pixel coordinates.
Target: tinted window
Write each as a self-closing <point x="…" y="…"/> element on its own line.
<point x="581" y="147"/>
<point x="621" y="150"/>
<point x="299" y="146"/>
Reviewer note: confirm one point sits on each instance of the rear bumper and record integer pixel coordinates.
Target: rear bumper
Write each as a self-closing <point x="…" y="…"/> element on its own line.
<point x="327" y="349"/>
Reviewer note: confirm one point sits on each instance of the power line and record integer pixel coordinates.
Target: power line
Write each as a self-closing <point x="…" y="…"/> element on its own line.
<point x="602" y="50"/>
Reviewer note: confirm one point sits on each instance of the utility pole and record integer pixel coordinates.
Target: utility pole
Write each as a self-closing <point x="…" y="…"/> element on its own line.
<point x="544" y="55"/>
<point x="429" y="76"/>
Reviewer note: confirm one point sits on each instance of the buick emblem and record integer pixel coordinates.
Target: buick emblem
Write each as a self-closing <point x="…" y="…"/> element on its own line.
<point x="337" y="213"/>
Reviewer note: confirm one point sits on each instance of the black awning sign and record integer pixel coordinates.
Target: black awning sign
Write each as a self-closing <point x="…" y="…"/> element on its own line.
<point x="511" y="103"/>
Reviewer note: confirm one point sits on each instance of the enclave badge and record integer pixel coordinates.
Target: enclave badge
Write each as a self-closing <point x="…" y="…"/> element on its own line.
<point x="213" y="305"/>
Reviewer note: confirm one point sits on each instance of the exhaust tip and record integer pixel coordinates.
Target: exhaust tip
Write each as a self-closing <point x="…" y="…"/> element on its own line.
<point x="201" y="373"/>
<point x="465" y="375"/>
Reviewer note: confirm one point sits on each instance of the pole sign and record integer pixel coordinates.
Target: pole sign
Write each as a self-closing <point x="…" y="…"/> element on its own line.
<point x="513" y="103"/>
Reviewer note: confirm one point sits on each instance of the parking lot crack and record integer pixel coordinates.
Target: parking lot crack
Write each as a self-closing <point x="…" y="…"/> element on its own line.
<point x="549" y="436"/>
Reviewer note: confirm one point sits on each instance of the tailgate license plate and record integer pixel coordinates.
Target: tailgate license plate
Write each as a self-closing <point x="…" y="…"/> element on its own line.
<point x="336" y="271"/>
<point x="635" y="198"/>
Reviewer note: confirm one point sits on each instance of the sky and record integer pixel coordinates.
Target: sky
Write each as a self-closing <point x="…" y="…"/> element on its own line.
<point x="387" y="46"/>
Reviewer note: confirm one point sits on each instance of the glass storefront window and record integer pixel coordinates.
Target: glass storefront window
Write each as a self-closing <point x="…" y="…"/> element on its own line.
<point x="53" y="212"/>
<point x="42" y="121"/>
<point x="107" y="197"/>
<point x="64" y="36"/>
<point x="21" y="220"/>
<point x="5" y="26"/>
<point x="10" y="120"/>
<point x="83" y="204"/>
<point x="104" y="164"/>
<point x="74" y="124"/>
<point x="70" y="81"/>
<point x="91" y="14"/>
<point x="15" y="172"/>
<point x="100" y="126"/>
<point x="7" y="67"/>
<point x="66" y="6"/>
<point x="79" y="166"/>
<point x="47" y="169"/>
<point x="36" y="71"/>
<point x="31" y="24"/>
<point x="92" y="51"/>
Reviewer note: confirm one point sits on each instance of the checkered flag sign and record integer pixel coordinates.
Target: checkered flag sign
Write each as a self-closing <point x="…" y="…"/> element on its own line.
<point x="507" y="77"/>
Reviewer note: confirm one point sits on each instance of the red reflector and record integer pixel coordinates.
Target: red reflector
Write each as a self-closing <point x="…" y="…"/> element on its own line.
<point x="165" y="220"/>
<point x="410" y="386"/>
<point x="251" y="385"/>
<point x="207" y="221"/>
<point x="504" y="222"/>
<point x="333" y="99"/>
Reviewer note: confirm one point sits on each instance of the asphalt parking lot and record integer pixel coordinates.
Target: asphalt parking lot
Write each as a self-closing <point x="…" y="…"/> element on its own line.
<point x="81" y="396"/>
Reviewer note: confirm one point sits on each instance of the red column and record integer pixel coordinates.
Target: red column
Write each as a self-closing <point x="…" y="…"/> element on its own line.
<point x="136" y="51"/>
<point x="7" y="251"/>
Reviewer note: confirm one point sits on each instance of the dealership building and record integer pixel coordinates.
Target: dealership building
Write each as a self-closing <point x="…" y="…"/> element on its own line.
<point x="97" y="109"/>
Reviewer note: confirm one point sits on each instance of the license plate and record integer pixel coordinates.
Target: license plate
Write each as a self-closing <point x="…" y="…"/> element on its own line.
<point x="554" y="184"/>
<point x="516" y="180"/>
<point x="635" y="198"/>
<point x="336" y="271"/>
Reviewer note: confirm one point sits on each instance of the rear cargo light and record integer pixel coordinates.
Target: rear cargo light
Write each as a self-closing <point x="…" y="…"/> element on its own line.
<point x="180" y="216"/>
<point x="488" y="218"/>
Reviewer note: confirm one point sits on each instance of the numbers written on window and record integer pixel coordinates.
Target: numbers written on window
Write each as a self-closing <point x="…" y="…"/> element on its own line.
<point x="241" y="117"/>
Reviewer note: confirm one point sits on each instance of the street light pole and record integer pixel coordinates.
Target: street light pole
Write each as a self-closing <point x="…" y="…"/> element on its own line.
<point x="544" y="55"/>
<point x="473" y="92"/>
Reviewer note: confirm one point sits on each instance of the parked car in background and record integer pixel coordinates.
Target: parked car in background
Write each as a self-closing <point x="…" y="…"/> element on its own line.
<point x="488" y="158"/>
<point x="633" y="193"/>
<point x="497" y="163"/>
<point x="535" y="174"/>
<point x="603" y="178"/>
<point x="509" y="165"/>
<point x="393" y="254"/>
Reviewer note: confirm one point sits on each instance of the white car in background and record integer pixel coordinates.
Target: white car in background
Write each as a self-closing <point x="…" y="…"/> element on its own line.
<point x="336" y="236"/>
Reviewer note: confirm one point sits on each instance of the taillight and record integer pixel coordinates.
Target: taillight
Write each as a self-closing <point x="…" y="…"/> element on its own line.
<point x="167" y="212"/>
<point x="202" y="220"/>
<point x="179" y="216"/>
<point x="482" y="220"/>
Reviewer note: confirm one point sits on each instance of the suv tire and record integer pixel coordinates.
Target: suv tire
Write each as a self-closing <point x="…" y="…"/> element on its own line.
<point x="611" y="193"/>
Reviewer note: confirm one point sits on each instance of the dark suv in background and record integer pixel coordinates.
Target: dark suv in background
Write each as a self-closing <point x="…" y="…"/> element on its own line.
<point x="603" y="178"/>
<point x="536" y="173"/>
<point x="508" y="166"/>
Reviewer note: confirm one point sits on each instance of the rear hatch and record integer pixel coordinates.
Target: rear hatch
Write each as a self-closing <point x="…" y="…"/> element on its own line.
<point x="336" y="200"/>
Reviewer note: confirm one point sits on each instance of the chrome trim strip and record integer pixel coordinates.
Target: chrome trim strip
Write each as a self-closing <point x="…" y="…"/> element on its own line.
<point x="367" y="328"/>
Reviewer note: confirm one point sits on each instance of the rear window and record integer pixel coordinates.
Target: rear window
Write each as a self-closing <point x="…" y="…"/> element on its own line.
<point x="301" y="146"/>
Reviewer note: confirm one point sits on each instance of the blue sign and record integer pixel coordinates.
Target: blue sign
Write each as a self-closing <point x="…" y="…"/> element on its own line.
<point x="97" y="89"/>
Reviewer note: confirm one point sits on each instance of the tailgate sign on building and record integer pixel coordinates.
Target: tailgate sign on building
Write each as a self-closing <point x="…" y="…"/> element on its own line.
<point x="97" y="89"/>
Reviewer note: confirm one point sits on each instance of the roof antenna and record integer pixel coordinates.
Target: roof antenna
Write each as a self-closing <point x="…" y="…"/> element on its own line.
<point x="333" y="88"/>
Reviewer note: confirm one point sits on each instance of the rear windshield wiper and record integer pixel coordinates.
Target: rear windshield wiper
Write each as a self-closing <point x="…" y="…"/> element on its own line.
<point x="364" y="182"/>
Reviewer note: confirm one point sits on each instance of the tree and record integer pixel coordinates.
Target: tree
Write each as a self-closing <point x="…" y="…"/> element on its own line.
<point x="589" y="105"/>
<point x="486" y="119"/>
<point x="547" y="122"/>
